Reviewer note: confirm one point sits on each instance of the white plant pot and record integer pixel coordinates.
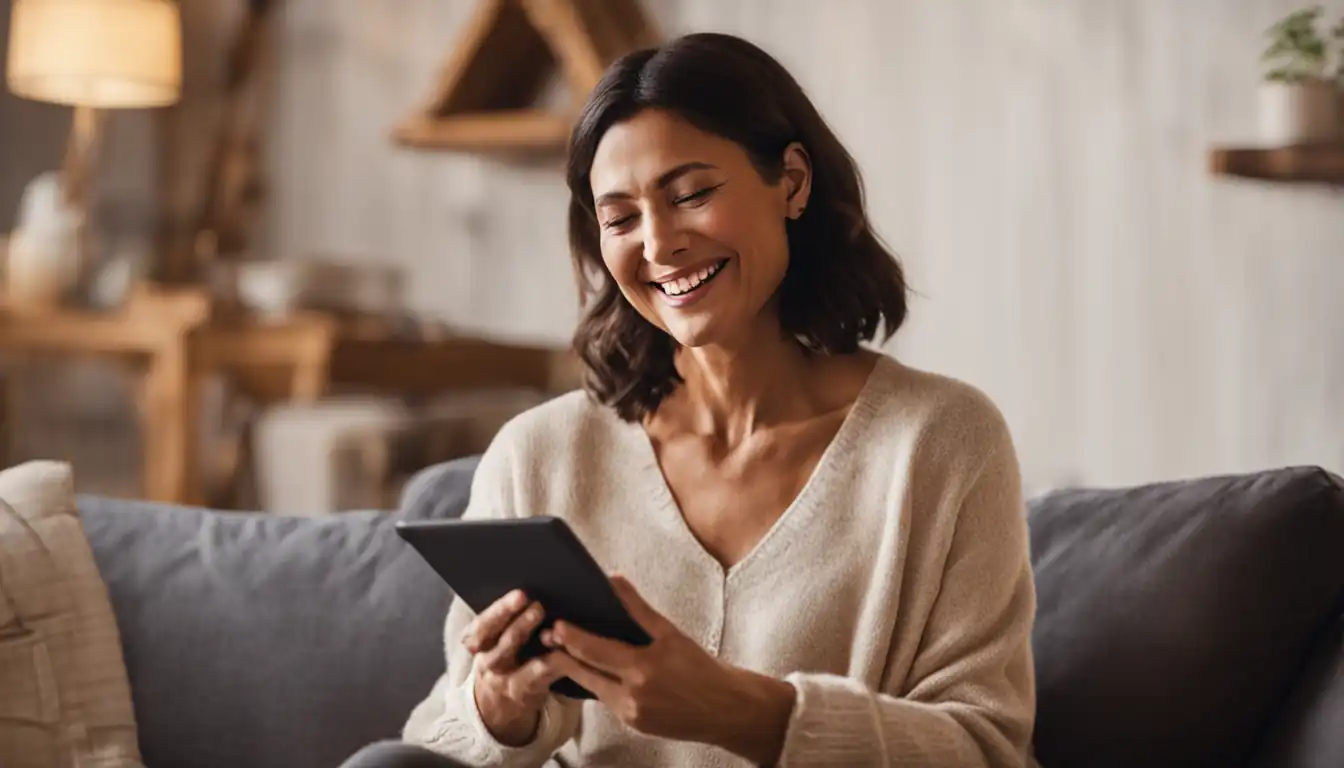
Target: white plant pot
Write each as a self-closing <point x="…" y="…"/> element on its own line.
<point x="1310" y="112"/>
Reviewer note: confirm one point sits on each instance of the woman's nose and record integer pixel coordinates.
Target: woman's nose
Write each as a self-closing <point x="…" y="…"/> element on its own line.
<point x="663" y="239"/>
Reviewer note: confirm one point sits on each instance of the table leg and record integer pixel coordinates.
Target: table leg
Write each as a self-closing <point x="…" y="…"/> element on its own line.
<point x="172" y="398"/>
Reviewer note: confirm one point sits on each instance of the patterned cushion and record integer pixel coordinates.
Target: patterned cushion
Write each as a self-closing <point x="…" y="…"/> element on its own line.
<point x="64" y="695"/>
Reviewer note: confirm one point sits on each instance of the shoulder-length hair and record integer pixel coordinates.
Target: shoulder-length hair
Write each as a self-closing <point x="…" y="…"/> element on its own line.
<point x="841" y="283"/>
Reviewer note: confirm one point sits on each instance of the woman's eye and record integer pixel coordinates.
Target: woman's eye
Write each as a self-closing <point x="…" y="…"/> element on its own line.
<point x="699" y="194"/>
<point x="618" y="222"/>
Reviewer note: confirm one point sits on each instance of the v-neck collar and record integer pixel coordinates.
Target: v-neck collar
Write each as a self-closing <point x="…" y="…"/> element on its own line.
<point x="799" y="510"/>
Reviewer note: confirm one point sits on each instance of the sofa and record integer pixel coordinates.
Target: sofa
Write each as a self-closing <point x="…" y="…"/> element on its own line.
<point x="1192" y="623"/>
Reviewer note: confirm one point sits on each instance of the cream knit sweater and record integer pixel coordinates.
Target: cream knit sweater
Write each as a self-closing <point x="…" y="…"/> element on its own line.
<point x="895" y="593"/>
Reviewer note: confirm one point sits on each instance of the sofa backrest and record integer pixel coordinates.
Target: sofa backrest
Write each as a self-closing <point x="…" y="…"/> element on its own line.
<point x="272" y="642"/>
<point x="1176" y="621"/>
<point x="1192" y="623"/>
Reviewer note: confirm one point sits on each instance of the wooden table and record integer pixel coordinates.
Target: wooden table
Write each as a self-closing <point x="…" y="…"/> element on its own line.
<point x="303" y="358"/>
<point x="153" y="331"/>
<point x="182" y="344"/>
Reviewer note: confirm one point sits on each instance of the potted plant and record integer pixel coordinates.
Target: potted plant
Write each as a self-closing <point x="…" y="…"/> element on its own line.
<point x="1299" y="100"/>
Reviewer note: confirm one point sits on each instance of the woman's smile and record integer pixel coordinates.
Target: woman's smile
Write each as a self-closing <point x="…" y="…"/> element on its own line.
<point x="685" y="287"/>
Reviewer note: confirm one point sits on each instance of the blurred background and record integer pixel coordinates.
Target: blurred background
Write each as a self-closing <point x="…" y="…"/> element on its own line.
<point x="321" y="243"/>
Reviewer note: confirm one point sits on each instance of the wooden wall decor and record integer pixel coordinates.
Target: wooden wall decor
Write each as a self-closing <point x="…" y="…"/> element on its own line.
<point x="235" y="187"/>
<point x="222" y="217"/>
<point x="497" y="69"/>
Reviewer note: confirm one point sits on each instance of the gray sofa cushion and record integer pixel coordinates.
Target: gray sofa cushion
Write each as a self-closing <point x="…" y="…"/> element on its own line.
<point x="438" y="492"/>
<point x="1309" y="731"/>
<point x="1175" y="618"/>
<point x="264" y="641"/>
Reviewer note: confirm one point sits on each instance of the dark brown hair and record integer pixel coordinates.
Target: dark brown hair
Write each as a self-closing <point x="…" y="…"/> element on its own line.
<point x="841" y="282"/>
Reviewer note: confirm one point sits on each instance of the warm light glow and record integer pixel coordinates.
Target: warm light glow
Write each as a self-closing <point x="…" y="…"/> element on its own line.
<point x="96" y="53"/>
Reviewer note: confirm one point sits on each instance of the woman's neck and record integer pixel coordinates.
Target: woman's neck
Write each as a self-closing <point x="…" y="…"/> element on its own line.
<point x="731" y="393"/>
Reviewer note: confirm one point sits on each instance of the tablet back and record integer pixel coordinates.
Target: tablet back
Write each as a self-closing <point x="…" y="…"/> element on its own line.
<point x="483" y="560"/>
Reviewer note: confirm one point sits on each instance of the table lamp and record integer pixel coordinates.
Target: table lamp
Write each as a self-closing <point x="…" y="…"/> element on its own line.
<point x="93" y="55"/>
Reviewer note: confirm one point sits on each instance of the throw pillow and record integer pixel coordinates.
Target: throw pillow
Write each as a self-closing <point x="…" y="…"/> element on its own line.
<point x="65" y="698"/>
<point x="1176" y="619"/>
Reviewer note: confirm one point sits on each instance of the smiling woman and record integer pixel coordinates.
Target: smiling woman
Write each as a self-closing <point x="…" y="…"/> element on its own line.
<point x="690" y="158"/>
<point x="827" y="547"/>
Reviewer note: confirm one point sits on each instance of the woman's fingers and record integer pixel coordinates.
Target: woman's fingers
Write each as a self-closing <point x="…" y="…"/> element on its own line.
<point x="533" y="679"/>
<point x="503" y="657"/>
<point x="603" y="686"/>
<point x="483" y="632"/>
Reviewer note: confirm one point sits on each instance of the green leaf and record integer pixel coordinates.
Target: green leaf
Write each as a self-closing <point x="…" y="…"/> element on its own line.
<point x="1296" y="49"/>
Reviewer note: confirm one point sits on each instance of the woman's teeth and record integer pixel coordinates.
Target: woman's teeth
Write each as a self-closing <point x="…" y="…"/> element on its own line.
<point x="690" y="282"/>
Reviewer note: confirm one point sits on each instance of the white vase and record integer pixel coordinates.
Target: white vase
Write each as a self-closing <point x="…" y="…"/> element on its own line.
<point x="39" y="270"/>
<point x="42" y="262"/>
<point x="1294" y="114"/>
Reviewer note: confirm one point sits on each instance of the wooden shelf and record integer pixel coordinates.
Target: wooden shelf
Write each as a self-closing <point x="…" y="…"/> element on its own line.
<point x="525" y="129"/>
<point x="1315" y="164"/>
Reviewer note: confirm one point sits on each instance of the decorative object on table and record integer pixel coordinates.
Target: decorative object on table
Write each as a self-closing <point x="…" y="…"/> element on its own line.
<point x="1301" y="101"/>
<point x="42" y="262"/>
<point x="115" y="278"/>
<point x="278" y="288"/>
<point x="500" y="65"/>
<point x="92" y="55"/>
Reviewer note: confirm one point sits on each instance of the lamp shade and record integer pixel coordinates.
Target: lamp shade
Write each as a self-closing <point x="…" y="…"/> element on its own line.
<point x="96" y="53"/>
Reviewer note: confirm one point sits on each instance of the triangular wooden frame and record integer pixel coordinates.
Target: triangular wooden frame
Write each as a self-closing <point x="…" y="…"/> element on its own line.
<point x="500" y="64"/>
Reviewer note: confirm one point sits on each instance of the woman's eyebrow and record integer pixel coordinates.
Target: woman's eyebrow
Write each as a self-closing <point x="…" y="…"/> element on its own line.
<point x="665" y="179"/>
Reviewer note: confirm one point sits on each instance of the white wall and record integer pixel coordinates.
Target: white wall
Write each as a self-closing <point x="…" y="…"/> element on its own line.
<point x="1038" y="164"/>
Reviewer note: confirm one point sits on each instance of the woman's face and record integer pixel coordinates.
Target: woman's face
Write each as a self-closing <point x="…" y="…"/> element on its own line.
<point x="692" y="234"/>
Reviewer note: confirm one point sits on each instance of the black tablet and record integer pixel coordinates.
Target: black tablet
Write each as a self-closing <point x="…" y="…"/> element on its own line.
<point x="483" y="560"/>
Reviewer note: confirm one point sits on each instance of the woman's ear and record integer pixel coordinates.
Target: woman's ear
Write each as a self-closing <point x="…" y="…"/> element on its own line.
<point x="797" y="178"/>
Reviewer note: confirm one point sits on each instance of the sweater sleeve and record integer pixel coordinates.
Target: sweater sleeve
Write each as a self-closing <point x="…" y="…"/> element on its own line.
<point x="447" y="721"/>
<point x="970" y="697"/>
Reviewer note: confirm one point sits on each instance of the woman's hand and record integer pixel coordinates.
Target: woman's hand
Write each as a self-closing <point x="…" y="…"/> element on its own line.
<point x="509" y="697"/>
<point x="673" y="688"/>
